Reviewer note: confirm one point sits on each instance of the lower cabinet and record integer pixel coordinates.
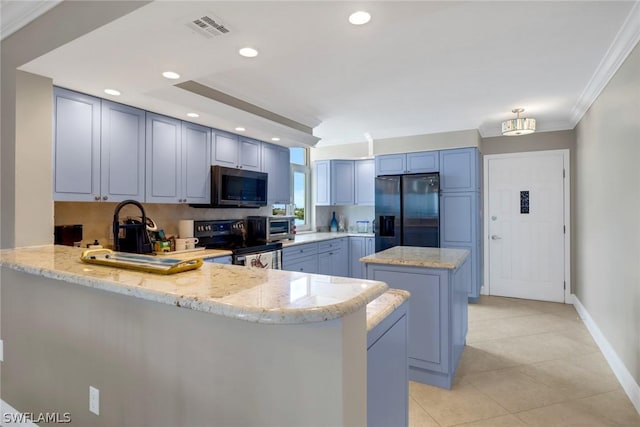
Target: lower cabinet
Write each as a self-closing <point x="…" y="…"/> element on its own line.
<point x="387" y="373"/>
<point x="359" y="247"/>
<point x="438" y="321"/>
<point x="219" y="260"/>
<point x="302" y="258"/>
<point x="333" y="257"/>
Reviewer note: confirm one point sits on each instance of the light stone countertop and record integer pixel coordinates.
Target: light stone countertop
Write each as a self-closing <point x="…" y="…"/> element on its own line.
<point x="419" y="257"/>
<point x="384" y="305"/>
<point x="254" y="295"/>
<point x="321" y="236"/>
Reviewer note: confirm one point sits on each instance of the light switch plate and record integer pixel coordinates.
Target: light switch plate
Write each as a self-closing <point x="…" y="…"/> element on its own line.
<point x="94" y="400"/>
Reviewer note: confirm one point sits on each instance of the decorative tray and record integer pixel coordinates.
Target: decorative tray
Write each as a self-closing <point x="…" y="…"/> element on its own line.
<point x="146" y="263"/>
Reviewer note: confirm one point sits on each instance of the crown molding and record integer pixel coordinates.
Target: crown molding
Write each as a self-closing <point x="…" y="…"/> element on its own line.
<point x="17" y="14"/>
<point x="622" y="45"/>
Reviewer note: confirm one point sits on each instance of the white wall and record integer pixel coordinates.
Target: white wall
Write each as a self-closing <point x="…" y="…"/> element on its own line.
<point x="608" y="213"/>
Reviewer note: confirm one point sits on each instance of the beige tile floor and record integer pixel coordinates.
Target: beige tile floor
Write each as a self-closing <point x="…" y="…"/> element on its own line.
<point x="526" y="363"/>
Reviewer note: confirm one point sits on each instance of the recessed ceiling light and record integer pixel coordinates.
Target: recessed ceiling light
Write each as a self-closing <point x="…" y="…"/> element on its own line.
<point x="170" y="75"/>
<point x="112" y="92"/>
<point x="275" y="138"/>
<point x="359" y="18"/>
<point x="240" y="129"/>
<point x="193" y="114"/>
<point x="248" y="52"/>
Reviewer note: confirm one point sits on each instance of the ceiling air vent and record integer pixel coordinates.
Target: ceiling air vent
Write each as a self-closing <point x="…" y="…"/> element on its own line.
<point x="208" y="26"/>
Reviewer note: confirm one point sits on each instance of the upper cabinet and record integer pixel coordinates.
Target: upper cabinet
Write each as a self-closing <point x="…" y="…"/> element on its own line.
<point x="236" y="152"/>
<point x="334" y="182"/>
<point x="276" y="163"/>
<point x="76" y="143"/>
<point x="398" y="164"/>
<point x="99" y="149"/>
<point x="164" y="159"/>
<point x="196" y="163"/>
<point x="365" y="179"/>
<point x="459" y="170"/>
<point x="122" y="152"/>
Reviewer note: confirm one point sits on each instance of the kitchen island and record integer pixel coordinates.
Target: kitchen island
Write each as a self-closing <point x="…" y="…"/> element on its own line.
<point x="221" y="345"/>
<point x="437" y="280"/>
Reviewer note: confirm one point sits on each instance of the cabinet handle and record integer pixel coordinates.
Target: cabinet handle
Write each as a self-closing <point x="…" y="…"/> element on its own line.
<point x="105" y="197"/>
<point x="494" y="237"/>
<point x="301" y="269"/>
<point x="96" y="198"/>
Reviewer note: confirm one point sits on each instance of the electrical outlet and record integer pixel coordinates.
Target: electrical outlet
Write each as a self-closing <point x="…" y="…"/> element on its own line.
<point x="1" y="351"/>
<point x="94" y="400"/>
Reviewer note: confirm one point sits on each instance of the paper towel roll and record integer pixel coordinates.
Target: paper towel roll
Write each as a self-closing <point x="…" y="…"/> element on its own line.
<point x="185" y="228"/>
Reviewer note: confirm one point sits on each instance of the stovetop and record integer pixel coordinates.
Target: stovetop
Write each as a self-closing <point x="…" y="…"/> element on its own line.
<point x="230" y="234"/>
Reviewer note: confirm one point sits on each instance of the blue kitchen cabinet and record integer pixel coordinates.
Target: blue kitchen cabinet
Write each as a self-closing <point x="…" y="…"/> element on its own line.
<point x="438" y="317"/>
<point x="387" y="371"/>
<point x="333" y="257"/>
<point x="359" y="247"/>
<point x="164" y="159"/>
<point x="219" y="260"/>
<point x="334" y="182"/>
<point x="196" y="165"/>
<point x="303" y="258"/>
<point x="364" y="177"/>
<point x="122" y="152"/>
<point x="460" y="170"/>
<point x="398" y="164"/>
<point x="76" y="146"/>
<point x="233" y="151"/>
<point x="276" y="163"/>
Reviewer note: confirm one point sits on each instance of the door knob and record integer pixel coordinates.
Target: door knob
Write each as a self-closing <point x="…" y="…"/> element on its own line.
<point x="494" y="237"/>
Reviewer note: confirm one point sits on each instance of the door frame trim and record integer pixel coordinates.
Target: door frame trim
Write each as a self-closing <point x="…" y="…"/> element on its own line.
<point x="486" y="286"/>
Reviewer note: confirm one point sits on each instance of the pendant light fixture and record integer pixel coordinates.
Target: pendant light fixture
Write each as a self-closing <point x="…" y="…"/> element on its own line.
<point x="518" y="126"/>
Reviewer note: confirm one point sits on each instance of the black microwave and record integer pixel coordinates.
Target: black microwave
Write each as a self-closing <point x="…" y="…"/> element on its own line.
<point x="238" y="187"/>
<point x="232" y="188"/>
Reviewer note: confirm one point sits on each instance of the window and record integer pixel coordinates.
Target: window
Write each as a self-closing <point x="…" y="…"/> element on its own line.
<point x="300" y="175"/>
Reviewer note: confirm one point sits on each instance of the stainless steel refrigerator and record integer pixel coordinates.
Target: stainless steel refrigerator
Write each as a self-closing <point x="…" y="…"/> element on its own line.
<point x="407" y="211"/>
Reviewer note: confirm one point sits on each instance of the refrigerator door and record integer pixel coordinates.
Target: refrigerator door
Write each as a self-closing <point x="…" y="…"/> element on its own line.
<point x="420" y="209"/>
<point x="388" y="215"/>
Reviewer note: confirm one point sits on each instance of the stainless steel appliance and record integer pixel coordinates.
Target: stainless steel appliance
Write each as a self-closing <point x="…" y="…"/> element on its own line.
<point x="271" y="228"/>
<point x="232" y="188"/>
<point x="231" y="234"/>
<point x="407" y="211"/>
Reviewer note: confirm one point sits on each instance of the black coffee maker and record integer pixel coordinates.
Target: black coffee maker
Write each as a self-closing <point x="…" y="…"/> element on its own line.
<point x="136" y="238"/>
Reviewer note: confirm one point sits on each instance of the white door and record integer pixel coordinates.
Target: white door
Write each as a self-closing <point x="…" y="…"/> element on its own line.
<point x="525" y="223"/>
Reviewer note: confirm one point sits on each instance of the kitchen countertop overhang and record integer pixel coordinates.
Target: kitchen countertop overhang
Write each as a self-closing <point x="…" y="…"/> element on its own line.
<point x="254" y="295"/>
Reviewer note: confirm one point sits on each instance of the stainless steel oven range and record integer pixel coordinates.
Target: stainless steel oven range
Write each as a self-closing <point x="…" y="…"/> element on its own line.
<point x="231" y="234"/>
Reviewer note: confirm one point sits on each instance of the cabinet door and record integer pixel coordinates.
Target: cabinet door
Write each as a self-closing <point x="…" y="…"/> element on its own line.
<point x="391" y="164"/>
<point x="370" y="246"/>
<point x="225" y="149"/>
<point x="304" y="265"/>
<point x="76" y="171"/>
<point x="323" y="189"/>
<point x="196" y="165"/>
<point x="429" y="308"/>
<point x="250" y="154"/>
<point x="459" y="170"/>
<point x="387" y="382"/>
<point x="342" y="182"/>
<point x="364" y="182"/>
<point x="276" y="163"/>
<point x="357" y="247"/>
<point x="341" y="258"/>
<point x="324" y="263"/>
<point x="460" y="229"/>
<point x="422" y="162"/>
<point x="164" y="159"/>
<point x="122" y="152"/>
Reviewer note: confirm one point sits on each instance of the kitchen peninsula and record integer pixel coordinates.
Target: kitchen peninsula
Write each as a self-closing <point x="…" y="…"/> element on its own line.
<point x="437" y="280"/>
<point x="221" y="345"/>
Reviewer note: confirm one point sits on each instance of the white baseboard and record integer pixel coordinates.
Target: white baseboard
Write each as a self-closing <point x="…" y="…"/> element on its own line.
<point x="625" y="378"/>
<point x="11" y="416"/>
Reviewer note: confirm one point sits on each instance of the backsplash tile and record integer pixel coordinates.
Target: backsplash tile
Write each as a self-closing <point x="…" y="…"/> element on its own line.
<point x="97" y="218"/>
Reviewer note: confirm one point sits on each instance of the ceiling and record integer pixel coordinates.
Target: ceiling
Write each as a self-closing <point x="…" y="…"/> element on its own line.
<point x="418" y="67"/>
